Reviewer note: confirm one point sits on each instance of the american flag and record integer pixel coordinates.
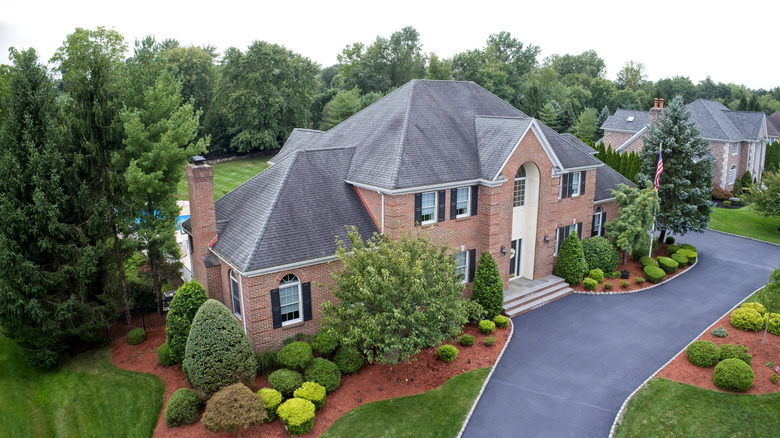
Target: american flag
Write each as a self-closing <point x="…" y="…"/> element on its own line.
<point x="659" y="169"/>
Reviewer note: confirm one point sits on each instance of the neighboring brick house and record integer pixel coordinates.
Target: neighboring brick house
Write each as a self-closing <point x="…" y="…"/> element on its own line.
<point x="432" y="154"/>
<point x="737" y="139"/>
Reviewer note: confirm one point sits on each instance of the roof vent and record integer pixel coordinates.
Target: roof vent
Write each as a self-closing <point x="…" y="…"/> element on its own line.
<point x="198" y="160"/>
<point x="630" y="119"/>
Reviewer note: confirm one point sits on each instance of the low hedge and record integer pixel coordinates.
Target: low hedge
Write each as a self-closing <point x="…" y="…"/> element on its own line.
<point x="298" y="415"/>
<point x="164" y="355"/>
<point x="774" y="323"/>
<point x="314" y="392"/>
<point x="467" y="340"/>
<point x="733" y="375"/>
<point x="447" y="353"/>
<point x="285" y="381"/>
<point x="671" y="249"/>
<point x="758" y="307"/>
<point x="689" y="254"/>
<point x="648" y="261"/>
<point x="703" y="353"/>
<point x="590" y="284"/>
<point x="349" y="359"/>
<point x="487" y="326"/>
<point x="654" y="274"/>
<point x="668" y="265"/>
<point x="501" y="321"/>
<point x="680" y="259"/>
<point x="596" y="274"/>
<point x="295" y="356"/>
<point x="324" y="344"/>
<point x="271" y="399"/>
<point x="746" y="318"/>
<point x="182" y="407"/>
<point x="324" y="372"/>
<point x="688" y="246"/>
<point x="728" y="351"/>
<point x="136" y="336"/>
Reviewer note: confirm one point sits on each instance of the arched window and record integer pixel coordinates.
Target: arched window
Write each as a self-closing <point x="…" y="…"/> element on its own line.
<point x="290" y="298"/>
<point x="596" y="231"/>
<point x="235" y="293"/>
<point x="519" y="199"/>
<point x="732" y="174"/>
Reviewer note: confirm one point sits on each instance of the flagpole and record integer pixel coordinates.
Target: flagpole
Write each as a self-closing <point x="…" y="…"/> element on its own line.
<point x="657" y="176"/>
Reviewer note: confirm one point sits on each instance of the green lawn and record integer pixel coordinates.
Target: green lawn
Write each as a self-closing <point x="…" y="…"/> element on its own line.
<point x="439" y="412"/>
<point x="665" y="408"/>
<point x="745" y="222"/>
<point x="228" y="176"/>
<point x="86" y="397"/>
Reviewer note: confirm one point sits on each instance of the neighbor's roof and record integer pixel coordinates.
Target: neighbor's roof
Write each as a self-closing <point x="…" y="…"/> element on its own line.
<point x="716" y="122"/>
<point x="607" y="179"/>
<point x="773" y="124"/>
<point x="626" y="121"/>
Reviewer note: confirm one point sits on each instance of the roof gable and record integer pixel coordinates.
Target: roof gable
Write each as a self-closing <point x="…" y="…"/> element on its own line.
<point x="626" y="121"/>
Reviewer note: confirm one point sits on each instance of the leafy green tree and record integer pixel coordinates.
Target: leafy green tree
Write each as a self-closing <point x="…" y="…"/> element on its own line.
<point x="439" y="69"/>
<point x="570" y="264"/>
<point x="603" y="93"/>
<point x="184" y="305"/>
<point x="769" y="296"/>
<point x="343" y="105"/>
<point x="5" y="75"/>
<point x="488" y="288"/>
<point x="631" y="76"/>
<point x="686" y="182"/>
<point x="629" y="231"/>
<point x="264" y="94"/>
<point x="587" y="63"/>
<point x="586" y="125"/>
<point x="194" y="67"/>
<point x="387" y="291"/>
<point x="50" y="299"/>
<point x="675" y="86"/>
<point x="766" y="199"/>
<point x="533" y="101"/>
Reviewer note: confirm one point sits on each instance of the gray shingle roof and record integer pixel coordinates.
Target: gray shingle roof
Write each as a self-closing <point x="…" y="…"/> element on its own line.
<point x="620" y="121"/>
<point x="496" y="137"/>
<point x="570" y="155"/>
<point x="773" y="124"/>
<point x="579" y="143"/>
<point x="607" y="179"/>
<point x="293" y="211"/>
<point x="717" y="122"/>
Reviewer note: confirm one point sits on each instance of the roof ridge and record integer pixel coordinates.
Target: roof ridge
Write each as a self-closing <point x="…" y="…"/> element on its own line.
<point x="404" y="133"/>
<point x="500" y="99"/>
<point x="483" y="116"/>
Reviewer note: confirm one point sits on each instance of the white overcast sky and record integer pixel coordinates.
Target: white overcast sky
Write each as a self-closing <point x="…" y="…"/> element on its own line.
<point x="729" y="41"/>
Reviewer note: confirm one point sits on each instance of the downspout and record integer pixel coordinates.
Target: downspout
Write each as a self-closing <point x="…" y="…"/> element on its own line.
<point x="383" y="212"/>
<point x="241" y="293"/>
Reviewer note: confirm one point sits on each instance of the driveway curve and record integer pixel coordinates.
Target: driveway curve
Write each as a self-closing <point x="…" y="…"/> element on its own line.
<point x="572" y="363"/>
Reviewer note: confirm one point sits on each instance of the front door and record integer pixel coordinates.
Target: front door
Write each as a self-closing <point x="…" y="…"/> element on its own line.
<point x="515" y="262"/>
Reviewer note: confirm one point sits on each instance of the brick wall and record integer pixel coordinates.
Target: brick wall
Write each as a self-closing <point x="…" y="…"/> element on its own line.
<point x="615" y="139"/>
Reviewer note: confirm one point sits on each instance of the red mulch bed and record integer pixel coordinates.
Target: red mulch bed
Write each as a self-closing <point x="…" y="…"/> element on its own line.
<point x="636" y="270"/>
<point x="425" y="371"/>
<point x="680" y="369"/>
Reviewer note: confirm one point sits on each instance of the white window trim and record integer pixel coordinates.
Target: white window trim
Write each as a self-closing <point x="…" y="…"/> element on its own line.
<point x="465" y="266"/>
<point x="732" y="174"/>
<point x="235" y="297"/>
<point x="734" y="149"/>
<point x="514" y="194"/>
<point x="435" y="209"/>
<point x="468" y="202"/>
<point x="300" y="300"/>
<point x="575" y="187"/>
<point x="597" y="216"/>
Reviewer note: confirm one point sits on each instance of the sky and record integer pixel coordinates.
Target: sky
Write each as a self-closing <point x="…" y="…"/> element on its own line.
<point x="690" y="38"/>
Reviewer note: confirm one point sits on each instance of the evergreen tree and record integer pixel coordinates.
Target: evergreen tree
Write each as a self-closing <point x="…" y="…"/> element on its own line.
<point x="600" y="121"/>
<point x="630" y="229"/>
<point x="570" y="264"/>
<point x="49" y="301"/>
<point x="488" y="288"/>
<point x="686" y="182"/>
<point x="602" y="152"/>
<point x="549" y="116"/>
<point x="586" y="125"/>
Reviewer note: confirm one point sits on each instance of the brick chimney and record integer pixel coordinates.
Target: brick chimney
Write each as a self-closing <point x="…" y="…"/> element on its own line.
<point x="656" y="110"/>
<point x="203" y="221"/>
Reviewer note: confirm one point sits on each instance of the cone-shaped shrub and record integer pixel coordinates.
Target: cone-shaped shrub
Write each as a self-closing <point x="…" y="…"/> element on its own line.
<point x="184" y="305"/>
<point x="488" y="289"/>
<point x="218" y="352"/>
<point x="571" y="264"/>
<point x="232" y="409"/>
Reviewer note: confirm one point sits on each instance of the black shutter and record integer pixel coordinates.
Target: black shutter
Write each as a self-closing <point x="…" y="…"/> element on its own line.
<point x="565" y="186"/>
<point x="603" y="219"/>
<point x="579" y="230"/>
<point x="453" y="203"/>
<point x="276" y="308"/>
<point x="582" y="182"/>
<point x="306" y="292"/>
<point x="442" y="204"/>
<point x="417" y="208"/>
<point x="512" y="258"/>
<point x="472" y="263"/>
<point x="474" y="199"/>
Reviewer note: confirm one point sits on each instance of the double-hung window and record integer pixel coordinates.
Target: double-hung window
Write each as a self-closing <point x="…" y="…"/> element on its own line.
<point x="734" y="148"/>
<point x="428" y="208"/>
<point x="572" y="184"/>
<point x="461" y="265"/>
<point x="462" y="201"/>
<point x="575" y="184"/>
<point x="235" y="294"/>
<point x="290" y="298"/>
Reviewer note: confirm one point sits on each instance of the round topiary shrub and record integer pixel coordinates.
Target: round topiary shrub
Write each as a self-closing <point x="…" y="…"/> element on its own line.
<point x="733" y="375"/>
<point x="648" y="261"/>
<point x="570" y="264"/>
<point x="218" y="352"/>
<point x="590" y="284"/>
<point x="164" y="355"/>
<point x="271" y="399"/>
<point x="324" y="372"/>
<point x="728" y="351"/>
<point x="726" y="203"/>
<point x="668" y="265"/>
<point x="349" y="359"/>
<point x="232" y="409"/>
<point x="689" y="254"/>
<point x="182" y="408"/>
<point x="719" y="332"/>
<point x="600" y="253"/>
<point x="475" y="311"/>
<point x="467" y="340"/>
<point x="182" y="309"/>
<point x="654" y="274"/>
<point x="671" y="249"/>
<point x="488" y="288"/>
<point x="298" y="415"/>
<point x="486" y="326"/>
<point x="758" y="307"/>
<point x="136" y="336"/>
<point x="746" y="318"/>
<point x="285" y="381"/>
<point x="295" y="356"/>
<point x="596" y="274"/>
<point x="501" y="321"/>
<point x="314" y="392"/>
<point x="669" y="240"/>
<point x="489" y="340"/>
<point x="448" y="353"/>
<point x="703" y="353"/>
<point x="680" y="259"/>
<point x="689" y="247"/>
<point x="774" y="323"/>
<point x="324" y="343"/>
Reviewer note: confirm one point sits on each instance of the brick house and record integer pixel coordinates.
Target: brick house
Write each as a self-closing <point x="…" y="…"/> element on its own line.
<point x="442" y="154"/>
<point x="737" y="139"/>
<point x="773" y="126"/>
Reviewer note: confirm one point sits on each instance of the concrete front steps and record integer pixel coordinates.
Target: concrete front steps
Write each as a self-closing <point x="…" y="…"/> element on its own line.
<point x="525" y="295"/>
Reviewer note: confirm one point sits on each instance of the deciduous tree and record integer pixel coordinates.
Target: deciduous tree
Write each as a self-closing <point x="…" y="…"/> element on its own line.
<point x="629" y="231"/>
<point x="766" y="199"/>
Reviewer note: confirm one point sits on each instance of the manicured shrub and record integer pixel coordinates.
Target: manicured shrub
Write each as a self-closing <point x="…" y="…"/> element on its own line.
<point x="285" y="381"/>
<point x="668" y="265"/>
<point x="733" y="375"/>
<point x="774" y="323"/>
<point x="295" y="356"/>
<point x="476" y="312"/>
<point x="489" y="340"/>
<point x="447" y="353"/>
<point x="654" y="274"/>
<point x="600" y="253"/>
<point x="639" y="280"/>
<point x="501" y="321"/>
<point x="746" y="318"/>
<point x="136" y="336"/>
<point x="467" y="340"/>
<point x="671" y="249"/>
<point x="596" y="274"/>
<point x="298" y="337"/>
<point x="688" y="246"/>
<point x="774" y="378"/>
<point x="740" y="352"/>
<point x="648" y="261"/>
<point x="736" y="202"/>
<point x="324" y="343"/>
<point x="625" y="274"/>
<point x="267" y="362"/>
<point x="613" y="274"/>
<point x="571" y="264"/>
<point x="349" y="359"/>
<point x="721" y="194"/>
<point x="164" y="355"/>
<point x="669" y="240"/>
<point x="486" y="326"/>
<point x="182" y="309"/>
<point x="719" y="332"/>
<point x="313" y="392"/>
<point x="488" y="288"/>
<point x="703" y="353"/>
<point x="625" y="284"/>
<point x="690" y="254"/>
<point x="758" y="307"/>
<point x="681" y="260"/>
<point x="298" y="415"/>
<point x="324" y="372"/>
<point x="232" y="409"/>
<point x="182" y="407"/>
<point x="271" y="399"/>
<point x="590" y="284"/>
<point x="727" y="204"/>
<point x="218" y="352"/>
<point x="608" y="285"/>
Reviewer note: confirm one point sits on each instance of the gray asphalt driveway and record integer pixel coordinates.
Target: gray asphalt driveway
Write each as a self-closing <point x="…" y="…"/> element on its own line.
<point x="572" y="363"/>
